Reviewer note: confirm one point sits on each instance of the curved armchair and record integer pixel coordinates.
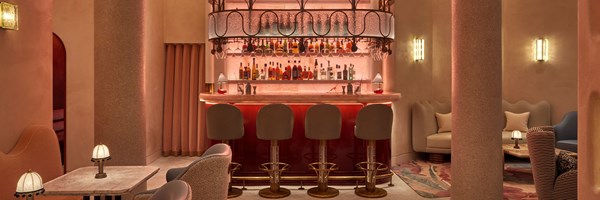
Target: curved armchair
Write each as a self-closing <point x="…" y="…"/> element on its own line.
<point x="208" y="176"/>
<point x="543" y="163"/>
<point x="566" y="132"/>
<point x="174" y="190"/>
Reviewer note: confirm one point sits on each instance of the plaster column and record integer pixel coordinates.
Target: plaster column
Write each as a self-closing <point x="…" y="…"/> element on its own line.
<point x="476" y="99"/>
<point x="119" y="80"/>
<point x="588" y="175"/>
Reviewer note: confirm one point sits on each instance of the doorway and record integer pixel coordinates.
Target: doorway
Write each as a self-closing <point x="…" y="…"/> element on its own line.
<point x="59" y="94"/>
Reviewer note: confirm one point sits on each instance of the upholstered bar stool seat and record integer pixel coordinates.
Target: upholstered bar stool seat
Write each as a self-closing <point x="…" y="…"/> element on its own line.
<point x="225" y="122"/>
<point x="274" y="122"/>
<point x="374" y="122"/>
<point x="323" y="122"/>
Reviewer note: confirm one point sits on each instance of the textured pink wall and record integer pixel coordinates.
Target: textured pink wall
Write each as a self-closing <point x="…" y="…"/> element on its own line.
<point x="589" y="100"/>
<point x="73" y="22"/>
<point x="402" y="74"/>
<point x="26" y="72"/>
<point x="554" y="80"/>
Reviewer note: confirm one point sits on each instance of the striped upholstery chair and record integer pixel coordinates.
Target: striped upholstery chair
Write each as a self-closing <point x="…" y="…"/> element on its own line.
<point x="548" y="185"/>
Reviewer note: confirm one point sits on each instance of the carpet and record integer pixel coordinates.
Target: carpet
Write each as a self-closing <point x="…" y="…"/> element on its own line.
<point x="433" y="180"/>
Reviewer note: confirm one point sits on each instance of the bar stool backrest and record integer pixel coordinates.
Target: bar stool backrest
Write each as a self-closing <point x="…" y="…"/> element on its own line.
<point x="275" y="122"/>
<point x="374" y="122"/>
<point x="224" y="122"/>
<point x="323" y="122"/>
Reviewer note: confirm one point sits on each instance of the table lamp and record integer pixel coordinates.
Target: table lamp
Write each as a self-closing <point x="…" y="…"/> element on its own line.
<point x="222" y="84"/>
<point x="29" y="184"/>
<point x="377" y="82"/>
<point x="516" y="135"/>
<point x="100" y="154"/>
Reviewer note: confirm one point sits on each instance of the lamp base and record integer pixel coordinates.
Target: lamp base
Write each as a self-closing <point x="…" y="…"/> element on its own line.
<point x="100" y="175"/>
<point x="516" y="147"/>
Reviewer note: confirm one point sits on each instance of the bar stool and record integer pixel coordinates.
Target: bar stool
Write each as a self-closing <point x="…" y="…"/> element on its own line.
<point x="274" y="122"/>
<point x="225" y="122"/>
<point x="323" y="122"/>
<point x="374" y="122"/>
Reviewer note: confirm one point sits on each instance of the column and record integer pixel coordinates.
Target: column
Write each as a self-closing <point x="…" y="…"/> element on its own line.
<point x="477" y="99"/>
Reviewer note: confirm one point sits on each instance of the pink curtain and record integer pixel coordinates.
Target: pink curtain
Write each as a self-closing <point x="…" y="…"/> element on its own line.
<point x="184" y="80"/>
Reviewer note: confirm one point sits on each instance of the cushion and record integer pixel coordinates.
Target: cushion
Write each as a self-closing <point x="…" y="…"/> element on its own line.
<point x="516" y="121"/>
<point x="565" y="163"/>
<point x="569" y="145"/>
<point x="444" y="122"/>
<point x="439" y="140"/>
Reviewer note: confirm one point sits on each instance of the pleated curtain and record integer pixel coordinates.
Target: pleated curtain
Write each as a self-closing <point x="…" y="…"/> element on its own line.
<point x="184" y="79"/>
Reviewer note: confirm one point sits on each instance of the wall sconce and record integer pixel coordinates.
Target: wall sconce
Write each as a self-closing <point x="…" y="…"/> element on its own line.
<point x="29" y="184"/>
<point x="9" y="16"/>
<point x="100" y="154"/>
<point x="419" y="49"/>
<point x="541" y="49"/>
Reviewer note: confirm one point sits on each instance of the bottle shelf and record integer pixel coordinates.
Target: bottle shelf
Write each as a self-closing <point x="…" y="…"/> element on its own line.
<point x="297" y="81"/>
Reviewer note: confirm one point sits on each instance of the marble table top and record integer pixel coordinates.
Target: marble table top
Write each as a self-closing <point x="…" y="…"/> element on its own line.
<point x="523" y="151"/>
<point x="82" y="182"/>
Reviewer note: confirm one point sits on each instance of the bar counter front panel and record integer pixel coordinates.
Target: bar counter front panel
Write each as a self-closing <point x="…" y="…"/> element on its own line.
<point x="300" y="151"/>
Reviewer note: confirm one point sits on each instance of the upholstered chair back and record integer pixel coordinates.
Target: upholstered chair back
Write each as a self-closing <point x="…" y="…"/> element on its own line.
<point x="275" y="122"/>
<point x="543" y="162"/>
<point x="374" y="122"/>
<point x="209" y="175"/>
<point x="540" y="113"/>
<point x="323" y="122"/>
<point x="567" y="128"/>
<point x="174" y="190"/>
<point x="224" y="122"/>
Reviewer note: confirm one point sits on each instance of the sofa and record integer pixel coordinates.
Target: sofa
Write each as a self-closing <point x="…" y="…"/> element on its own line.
<point x="566" y="132"/>
<point x="37" y="149"/>
<point x="425" y="136"/>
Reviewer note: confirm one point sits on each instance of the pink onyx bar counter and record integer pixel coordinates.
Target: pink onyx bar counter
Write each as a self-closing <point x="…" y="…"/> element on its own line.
<point x="300" y="151"/>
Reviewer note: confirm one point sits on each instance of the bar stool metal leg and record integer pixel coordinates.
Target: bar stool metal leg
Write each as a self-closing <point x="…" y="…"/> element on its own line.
<point x="233" y="192"/>
<point x="274" y="168"/>
<point x="324" y="167"/>
<point x="370" y="191"/>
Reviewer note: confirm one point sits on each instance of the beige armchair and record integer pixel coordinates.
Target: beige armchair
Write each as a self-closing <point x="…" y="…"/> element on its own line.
<point x="543" y="163"/>
<point x="208" y="176"/>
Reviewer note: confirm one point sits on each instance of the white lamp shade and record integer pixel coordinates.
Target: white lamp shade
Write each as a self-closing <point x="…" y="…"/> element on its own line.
<point x="29" y="182"/>
<point x="378" y="78"/>
<point x="517" y="134"/>
<point x="100" y="152"/>
<point x="222" y="78"/>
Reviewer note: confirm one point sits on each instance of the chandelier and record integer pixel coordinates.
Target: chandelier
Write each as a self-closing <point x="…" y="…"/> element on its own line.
<point x="283" y="32"/>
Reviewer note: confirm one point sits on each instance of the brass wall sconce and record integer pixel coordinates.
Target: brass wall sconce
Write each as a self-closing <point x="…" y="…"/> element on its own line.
<point x="419" y="49"/>
<point x="9" y="16"/>
<point x="541" y="50"/>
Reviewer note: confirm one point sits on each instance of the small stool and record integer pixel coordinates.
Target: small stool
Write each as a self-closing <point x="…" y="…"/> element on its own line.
<point x="323" y="122"/>
<point x="274" y="122"/>
<point x="374" y="122"/>
<point x="225" y="122"/>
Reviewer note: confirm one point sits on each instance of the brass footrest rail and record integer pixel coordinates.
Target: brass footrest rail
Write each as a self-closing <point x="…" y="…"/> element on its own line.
<point x="310" y="178"/>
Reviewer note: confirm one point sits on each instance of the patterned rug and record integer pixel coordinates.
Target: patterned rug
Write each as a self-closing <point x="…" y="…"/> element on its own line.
<point x="433" y="180"/>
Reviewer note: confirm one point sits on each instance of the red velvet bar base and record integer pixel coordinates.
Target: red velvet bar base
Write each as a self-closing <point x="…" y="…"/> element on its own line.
<point x="300" y="151"/>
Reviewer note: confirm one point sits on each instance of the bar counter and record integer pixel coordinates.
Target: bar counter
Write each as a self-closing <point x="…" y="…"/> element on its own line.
<point x="300" y="151"/>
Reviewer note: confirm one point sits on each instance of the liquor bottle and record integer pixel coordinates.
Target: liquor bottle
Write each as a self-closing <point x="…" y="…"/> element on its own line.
<point x="315" y="72"/>
<point x="345" y="72"/>
<point x="245" y="73"/>
<point x="338" y="72"/>
<point x="310" y="74"/>
<point x="263" y="76"/>
<point x="241" y="72"/>
<point x="351" y="72"/>
<point x="245" y="46"/>
<point x="272" y="45"/>
<point x="254" y="69"/>
<point x="321" y="46"/>
<point x="311" y="47"/>
<point x="280" y="73"/>
<point x="349" y="46"/>
<point x="285" y="46"/>
<point x="299" y="74"/>
<point x="270" y="73"/>
<point x="329" y="71"/>
<point x="295" y="49"/>
<point x="323" y="75"/>
<point x="295" y="71"/>
<point x="338" y="46"/>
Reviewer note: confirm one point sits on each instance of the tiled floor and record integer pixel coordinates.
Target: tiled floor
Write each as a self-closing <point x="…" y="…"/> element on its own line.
<point x="399" y="191"/>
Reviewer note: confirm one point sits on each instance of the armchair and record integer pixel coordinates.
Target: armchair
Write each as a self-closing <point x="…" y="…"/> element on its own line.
<point x="566" y="132"/>
<point x="208" y="176"/>
<point x="174" y="190"/>
<point x="543" y="164"/>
